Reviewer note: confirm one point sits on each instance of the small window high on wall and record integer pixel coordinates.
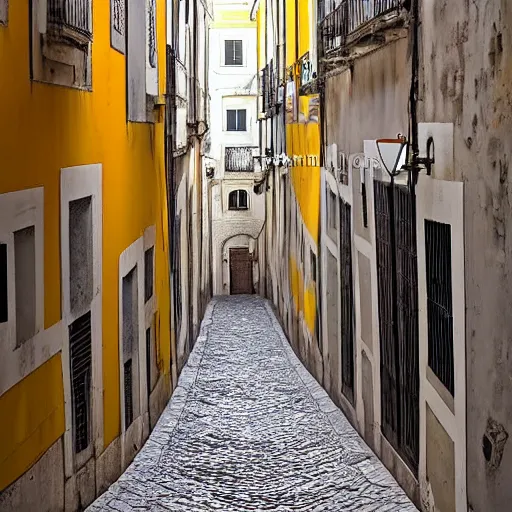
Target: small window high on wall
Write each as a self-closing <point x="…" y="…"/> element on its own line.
<point x="233" y="52"/>
<point x="238" y="200"/>
<point x="236" y="120"/>
<point x="4" y="316"/>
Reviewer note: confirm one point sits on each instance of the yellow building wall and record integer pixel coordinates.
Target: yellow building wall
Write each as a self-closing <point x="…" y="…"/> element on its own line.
<point x="44" y="128"/>
<point x="303" y="139"/>
<point x="33" y="419"/>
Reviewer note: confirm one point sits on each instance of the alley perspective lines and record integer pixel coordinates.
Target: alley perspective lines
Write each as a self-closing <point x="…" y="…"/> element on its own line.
<point x="248" y="428"/>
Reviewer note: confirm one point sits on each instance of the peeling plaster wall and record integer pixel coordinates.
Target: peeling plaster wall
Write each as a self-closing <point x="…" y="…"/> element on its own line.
<point x="467" y="80"/>
<point x="370" y="100"/>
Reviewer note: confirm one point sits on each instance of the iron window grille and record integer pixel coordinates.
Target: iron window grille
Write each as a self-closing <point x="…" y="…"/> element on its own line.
<point x="239" y="159"/>
<point x="233" y="55"/>
<point x="347" y="302"/>
<point x="128" y="393"/>
<point x="236" y="120"/>
<point x="395" y="229"/>
<point x="71" y="19"/>
<point x="148" y="273"/>
<point x="238" y="200"/>
<point x="118" y="12"/>
<point x="152" y="33"/>
<point x="148" y="361"/>
<point x="439" y="301"/>
<point x="4" y="307"/>
<point x="81" y="373"/>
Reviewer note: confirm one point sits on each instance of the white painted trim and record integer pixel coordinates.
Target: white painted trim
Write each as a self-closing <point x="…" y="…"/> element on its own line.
<point x="76" y="183"/>
<point x="22" y="209"/>
<point x="443" y="201"/>
<point x="370" y="151"/>
<point x="133" y="257"/>
<point x="150" y="306"/>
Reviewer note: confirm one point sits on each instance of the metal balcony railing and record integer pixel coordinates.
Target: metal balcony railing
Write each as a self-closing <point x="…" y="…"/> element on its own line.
<point x="349" y="16"/>
<point x="74" y="16"/>
<point x="239" y="159"/>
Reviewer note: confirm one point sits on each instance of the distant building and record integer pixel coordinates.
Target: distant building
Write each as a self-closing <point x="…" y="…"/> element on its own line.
<point x="238" y="201"/>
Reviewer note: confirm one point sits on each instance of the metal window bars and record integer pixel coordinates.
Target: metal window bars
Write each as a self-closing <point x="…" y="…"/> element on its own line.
<point x="152" y="33"/>
<point x="239" y="159"/>
<point x="118" y="12"/>
<point x="349" y="16"/>
<point x="80" y="352"/>
<point x="72" y="18"/>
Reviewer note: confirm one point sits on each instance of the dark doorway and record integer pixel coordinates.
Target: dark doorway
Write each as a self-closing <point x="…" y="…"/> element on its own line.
<point x="240" y="271"/>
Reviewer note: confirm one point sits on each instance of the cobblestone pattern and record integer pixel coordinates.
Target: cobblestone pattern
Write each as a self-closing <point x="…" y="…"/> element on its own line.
<point x="248" y="428"/>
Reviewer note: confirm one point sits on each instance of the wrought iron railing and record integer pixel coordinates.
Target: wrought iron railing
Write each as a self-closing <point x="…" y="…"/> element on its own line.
<point x="239" y="159"/>
<point x="74" y="15"/>
<point x="349" y="16"/>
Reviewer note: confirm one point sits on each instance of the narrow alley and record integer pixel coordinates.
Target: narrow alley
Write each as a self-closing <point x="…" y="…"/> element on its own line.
<point x="248" y="428"/>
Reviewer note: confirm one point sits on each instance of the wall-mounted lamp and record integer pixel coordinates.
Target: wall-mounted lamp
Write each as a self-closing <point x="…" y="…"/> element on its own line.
<point x="392" y="153"/>
<point x="210" y="172"/>
<point x="429" y="160"/>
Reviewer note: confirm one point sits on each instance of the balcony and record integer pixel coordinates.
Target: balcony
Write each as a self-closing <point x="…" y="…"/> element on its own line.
<point x="350" y="17"/>
<point x="239" y="159"/>
<point x="70" y="20"/>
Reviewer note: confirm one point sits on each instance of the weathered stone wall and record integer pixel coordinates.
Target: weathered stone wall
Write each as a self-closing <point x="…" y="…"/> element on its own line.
<point x="369" y="100"/>
<point x="467" y="80"/>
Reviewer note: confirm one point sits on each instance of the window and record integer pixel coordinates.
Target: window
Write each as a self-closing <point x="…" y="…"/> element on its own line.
<point x="312" y="260"/>
<point x="236" y="120"/>
<point x="61" y="42"/>
<point x="233" y="52"/>
<point x="4" y="308"/>
<point x="141" y="60"/>
<point x="80" y="254"/>
<point x="118" y="25"/>
<point x="148" y="273"/>
<point x="438" y="241"/>
<point x="80" y="357"/>
<point x="238" y="200"/>
<point x="4" y="8"/>
<point x="332" y="222"/>
<point x="25" y="283"/>
<point x="70" y="19"/>
<point x="130" y="345"/>
<point x="152" y="33"/>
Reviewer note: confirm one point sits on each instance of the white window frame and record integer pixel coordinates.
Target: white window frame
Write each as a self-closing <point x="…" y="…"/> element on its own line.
<point x="223" y="55"/>
<point x="77" y="183"/>
<point x="150" y="307"/>
<point x="236" y="109"/>
<point x="20" y="210"/>
<point x="138" y="430"/>
<point x="238" y="208"/>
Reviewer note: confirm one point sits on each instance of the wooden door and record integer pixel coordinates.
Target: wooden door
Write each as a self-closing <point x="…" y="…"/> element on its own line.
<point x="240" y="271"/>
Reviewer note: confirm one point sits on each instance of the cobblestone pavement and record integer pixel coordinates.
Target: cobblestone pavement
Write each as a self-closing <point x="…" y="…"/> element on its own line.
<point x="247" y="429"/>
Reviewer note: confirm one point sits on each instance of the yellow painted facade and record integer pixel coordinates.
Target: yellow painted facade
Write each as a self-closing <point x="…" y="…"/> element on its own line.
<point x="302" y="139"/>
<point x="44" y="128"/>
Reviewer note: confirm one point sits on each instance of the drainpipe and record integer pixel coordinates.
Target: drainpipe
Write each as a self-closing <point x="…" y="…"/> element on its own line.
<point x="414" y="93"/>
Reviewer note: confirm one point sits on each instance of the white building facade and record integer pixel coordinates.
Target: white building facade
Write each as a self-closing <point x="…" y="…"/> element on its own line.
<point x="238" y="202"/>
